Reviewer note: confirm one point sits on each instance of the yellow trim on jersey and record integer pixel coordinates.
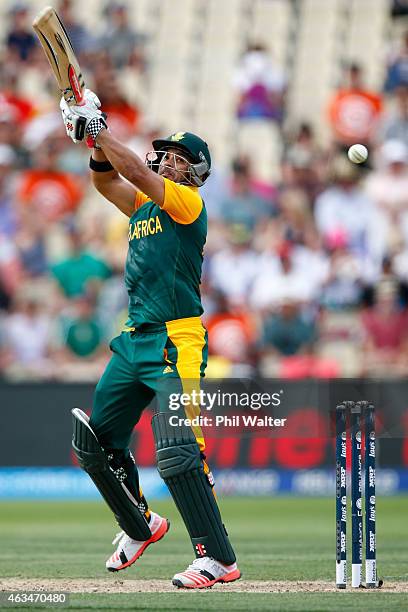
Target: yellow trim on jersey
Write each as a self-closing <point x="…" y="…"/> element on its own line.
<point x="182" y="202"/>
<point x="140" y="199"/>
<point x="188" y="336"/>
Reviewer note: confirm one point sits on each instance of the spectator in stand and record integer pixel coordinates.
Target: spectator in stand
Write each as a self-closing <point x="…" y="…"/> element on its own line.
<point x="26" y="337"/>
<point x="394" y="274"/>
<point x="11" y="270"/>
<point x="113" y="304"/>
<point x="79" y="269"/>
<point x="11" y="100"/>
<point x="112" y="298"/>
<point x="260" y="84"/>
<point x="397" y="69"/>
<point x="296" y="216"/>
<point x="8" y="213"/>
<point x="343" y="210"/>
<point x="215" y="192"/>
<point x="232" y="338"/>
<point x="80" y="352"/>
<point x="388" y="188"/>
<point x="399" y="8"/>
<point x="11" y="134"/>
<point x="124" y="45"/>
<point x="300" y="174"/>
<point x="83" y="336"/>
<point x="123" y="117"/>
<point x="302" y="166"/>
<point x="16" y="113"/>
<point x="395" y="125"/>
<point x="30" y="241"/>
<point x="304" y="139"/>
<point x="20" y="41"/>
<point x="5" y="303"/>
<point x="81" y="38"/>
<point x="45" y="189"/>
<point x="9" y="118"/>
<point x="386" y="335"/>
<point x="261" y="187"/>
<point x="400" y="269"/>
<point x="289" y="343"/>
<point x="244" y="205"/>
<point x="232" y="270"/>
<point x="287" y="331"/>
<point x="354" y="111"/>
<point x="302" y="143"/>
<point x="282" y="277"/>
<point x="311" y="259"/>
<point x="343" y="285"/>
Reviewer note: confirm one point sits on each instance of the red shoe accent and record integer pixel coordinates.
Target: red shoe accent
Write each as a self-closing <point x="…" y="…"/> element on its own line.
<point x="199" y="578"/>
<point x="156" y="536"/>
<point x="235" y="575"/>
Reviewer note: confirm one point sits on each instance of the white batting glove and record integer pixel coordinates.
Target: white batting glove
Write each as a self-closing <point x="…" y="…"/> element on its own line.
<point x="91" y="98"/>
<point x="84" y="119"/>
<point x="74" y="125"/>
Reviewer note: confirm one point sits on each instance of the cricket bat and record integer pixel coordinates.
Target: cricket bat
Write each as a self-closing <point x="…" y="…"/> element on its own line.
<point x="61" y="55"/>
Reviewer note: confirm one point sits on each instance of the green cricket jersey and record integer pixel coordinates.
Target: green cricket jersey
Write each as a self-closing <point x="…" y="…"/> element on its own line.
<point x="163" y="266"/>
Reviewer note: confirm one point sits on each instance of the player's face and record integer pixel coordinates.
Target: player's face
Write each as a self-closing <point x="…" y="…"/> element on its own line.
<point x="174" y="166"/>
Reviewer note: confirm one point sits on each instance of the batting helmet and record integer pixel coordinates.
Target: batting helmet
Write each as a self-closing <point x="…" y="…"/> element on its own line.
<point x="195" y="150"/>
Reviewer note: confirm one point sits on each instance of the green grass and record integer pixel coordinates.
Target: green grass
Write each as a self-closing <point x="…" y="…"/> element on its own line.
<point x="275" y="539"/>
<point x="241" y="601"/>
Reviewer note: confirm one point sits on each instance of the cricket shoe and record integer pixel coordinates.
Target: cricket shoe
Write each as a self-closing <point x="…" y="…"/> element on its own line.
<point x="204" y="572"/>
<point x="128" y="550"/>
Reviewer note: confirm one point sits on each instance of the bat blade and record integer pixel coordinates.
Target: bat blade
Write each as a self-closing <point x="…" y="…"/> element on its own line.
<point x="61" y="55"/>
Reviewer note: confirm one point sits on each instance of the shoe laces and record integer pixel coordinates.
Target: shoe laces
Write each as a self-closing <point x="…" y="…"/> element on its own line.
<point x="206" y="563"/>
<point x="118" y="537"/>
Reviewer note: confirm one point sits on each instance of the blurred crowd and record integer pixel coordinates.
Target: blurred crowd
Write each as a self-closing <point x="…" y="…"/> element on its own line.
<point x="304" y="277"/>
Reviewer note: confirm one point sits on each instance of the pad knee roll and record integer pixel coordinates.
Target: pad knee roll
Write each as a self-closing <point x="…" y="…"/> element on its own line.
<point x="179" y="464"/>
<point x="92" y="459"/>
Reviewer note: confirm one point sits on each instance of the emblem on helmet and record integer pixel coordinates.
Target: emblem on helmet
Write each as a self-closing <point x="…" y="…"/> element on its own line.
<point x="177" y="136"/>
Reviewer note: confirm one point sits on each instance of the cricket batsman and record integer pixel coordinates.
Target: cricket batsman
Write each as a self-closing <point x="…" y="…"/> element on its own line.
<point x="162" y="347"/>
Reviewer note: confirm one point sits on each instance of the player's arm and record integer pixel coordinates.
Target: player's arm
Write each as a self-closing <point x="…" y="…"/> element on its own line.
<point x="113" y="187"/>
<point x="130" y="166"/>
<point x="181" y="203"/>
<point x="106" y="180"/>
<point x="124" y="161"/>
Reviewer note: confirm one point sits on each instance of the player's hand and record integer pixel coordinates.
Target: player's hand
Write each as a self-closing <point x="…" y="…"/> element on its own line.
<point x="84" y="119"/>
<point x="74" y="124"/>
<point x="95" y="119"/>
<point x="91" y="98"/>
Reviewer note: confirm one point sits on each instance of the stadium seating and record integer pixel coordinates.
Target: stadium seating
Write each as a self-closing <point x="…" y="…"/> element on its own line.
<point x="193" y="46"/>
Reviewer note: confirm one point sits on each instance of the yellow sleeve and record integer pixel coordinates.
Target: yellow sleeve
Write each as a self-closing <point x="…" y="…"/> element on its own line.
<point x="140" y="199"/>
<point x="182" y="203"/>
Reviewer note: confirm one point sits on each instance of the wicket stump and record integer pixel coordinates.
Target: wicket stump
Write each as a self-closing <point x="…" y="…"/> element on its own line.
<point x="360" y="413"/>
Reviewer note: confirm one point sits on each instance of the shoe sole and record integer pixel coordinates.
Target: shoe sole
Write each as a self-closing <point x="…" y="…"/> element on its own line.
<point x="160" y="533"/>
<point x="231" y="577"/>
